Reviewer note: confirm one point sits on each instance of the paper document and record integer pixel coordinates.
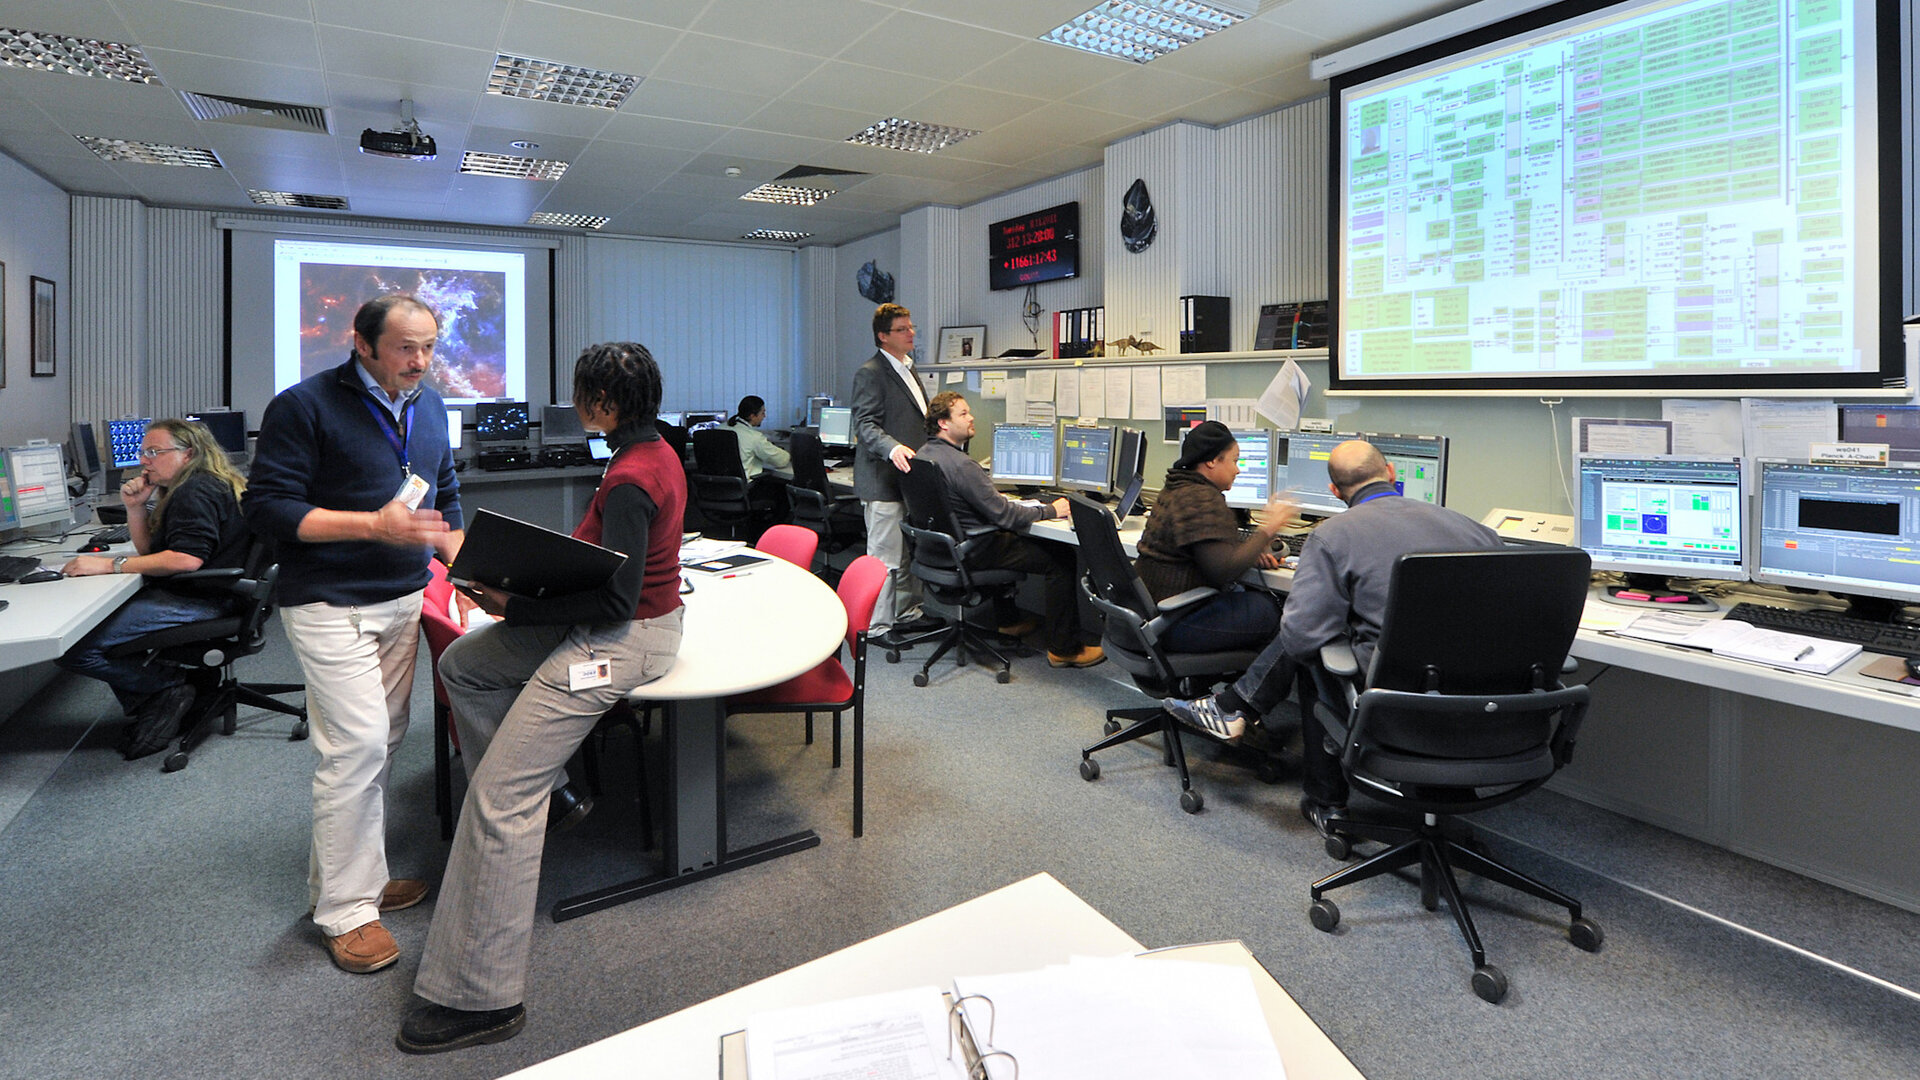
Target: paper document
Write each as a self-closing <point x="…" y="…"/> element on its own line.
<point x="1621" y="436"/>
<point x="1784" y="429"/>
<point x="692" y="551"/>
<point x="1146" y="393"/>
<point x="1183" y="384"/>
<point x="1742" y="641"/>
<point x="993" y="384"/>
<point x="1704" y="428"/>
<point x="1040" y="382"/>
<point x="1093" y="393"/>
<point x="1285" y="396"/>
<point x="1119" y="392"/>
<point x="900" y="1036"/>
<point x="1066" y="396"/>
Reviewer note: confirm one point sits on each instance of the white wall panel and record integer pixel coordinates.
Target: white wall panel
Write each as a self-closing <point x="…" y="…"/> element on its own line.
<point x="185" y="339"/>
<point x="853" y="313"/>
<point x="109" y="293"/>
<point x="719" y="319"/>
<point x="572" y="313"/>
<point x="819" y="357"/>
<point x="35" y="241"/>
<point x="999" y="312"/>
<point x="1143" y="288"/>
<point x="1272" y="206"/>
<point x="927" y="284"/>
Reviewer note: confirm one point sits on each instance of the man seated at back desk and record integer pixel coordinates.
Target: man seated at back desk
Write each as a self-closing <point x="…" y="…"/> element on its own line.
<point x="977" y="507"/>
<point x="1339" y="591"/>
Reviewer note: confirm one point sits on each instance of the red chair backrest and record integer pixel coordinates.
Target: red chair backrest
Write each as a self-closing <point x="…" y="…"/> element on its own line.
<point x="860" y="591"/>
<point x="436" y="623"/>
<point x="790" y="542"/>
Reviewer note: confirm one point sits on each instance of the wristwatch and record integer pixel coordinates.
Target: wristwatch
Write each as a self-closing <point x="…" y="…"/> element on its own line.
<point x="119" y="563"/>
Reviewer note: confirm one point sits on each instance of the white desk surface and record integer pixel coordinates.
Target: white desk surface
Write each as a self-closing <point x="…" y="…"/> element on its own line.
<point x="44" y="620"/>
<point x="754" y="629"/>
<point x="1026" y="925"/>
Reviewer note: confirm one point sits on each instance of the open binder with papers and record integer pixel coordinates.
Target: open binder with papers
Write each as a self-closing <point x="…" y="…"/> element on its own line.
<point x="1053" y="1022"/>
<point x="1743" y="641"/>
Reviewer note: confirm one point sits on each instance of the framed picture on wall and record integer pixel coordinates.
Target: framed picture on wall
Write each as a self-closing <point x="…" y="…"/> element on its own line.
<point x="961" y="343"/>
<point x="42" y="312"/>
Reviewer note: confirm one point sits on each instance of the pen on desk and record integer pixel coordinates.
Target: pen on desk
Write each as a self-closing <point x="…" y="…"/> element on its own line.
<point x="1803" y="653"/>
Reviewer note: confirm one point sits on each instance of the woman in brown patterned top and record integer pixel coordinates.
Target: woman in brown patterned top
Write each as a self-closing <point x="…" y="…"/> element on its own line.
<point x="1192" y="540"/>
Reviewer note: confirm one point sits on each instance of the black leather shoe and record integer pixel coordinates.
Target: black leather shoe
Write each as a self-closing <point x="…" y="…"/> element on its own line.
<point x="898" y="637"/>
<point x="158" y="722"/>
<point x="566" y="809"/>
<point x="921" y="625"/>
<point x="430" y="1028"/>
<point x="1322" y="816"/>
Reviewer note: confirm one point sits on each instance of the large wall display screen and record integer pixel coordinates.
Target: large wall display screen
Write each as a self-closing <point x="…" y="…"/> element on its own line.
<point x="1666" y="194"/>
<point x="479" y="297"/>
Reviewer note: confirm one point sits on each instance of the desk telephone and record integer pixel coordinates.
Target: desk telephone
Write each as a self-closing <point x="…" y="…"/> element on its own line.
<point x="1528" y="527"/>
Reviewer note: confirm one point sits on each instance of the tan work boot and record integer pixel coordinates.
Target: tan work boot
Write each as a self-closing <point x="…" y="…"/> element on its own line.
<point x="363" y="949"/>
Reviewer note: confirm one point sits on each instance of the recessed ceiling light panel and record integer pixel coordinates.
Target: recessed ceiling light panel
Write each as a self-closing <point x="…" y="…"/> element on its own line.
<point x="544" y="80"/>
<point x="783" y="235"/>
<point x="786" y="194"/>
<point x="897" y="134"/>
<point x="75" y="56"/>
<point x="288" y="198"/>
<point x="520" y="168"/>
<point x="1142" y="30"/>
<point x="568" y="221"/>
<point x="146" y="153"/>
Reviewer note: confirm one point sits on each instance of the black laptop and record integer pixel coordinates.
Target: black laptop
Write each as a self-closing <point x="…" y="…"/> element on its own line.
<point x="526" y="560"/>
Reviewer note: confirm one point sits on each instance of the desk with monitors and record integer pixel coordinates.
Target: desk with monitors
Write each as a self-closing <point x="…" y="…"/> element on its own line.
<point x="39" y="476"/>
<point x="1656" y="518"/>
<point x="228" y="428"/>
<point x="1086" y="459"/>
<point x="1300" y="467"/>
<point x="1852" y="530"/>
<point x="1024" y="455"/>
<point x="836" y="426"/>
<point x="123" y="440"/>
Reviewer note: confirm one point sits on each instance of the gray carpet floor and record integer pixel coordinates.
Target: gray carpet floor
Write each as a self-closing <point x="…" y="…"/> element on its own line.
<point x="153" y="924"/>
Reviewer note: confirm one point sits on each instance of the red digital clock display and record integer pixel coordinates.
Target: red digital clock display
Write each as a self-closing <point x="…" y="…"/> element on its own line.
<point x="1043" y="246"/>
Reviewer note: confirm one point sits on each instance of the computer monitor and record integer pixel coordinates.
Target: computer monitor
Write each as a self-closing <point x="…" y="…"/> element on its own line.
<point x="1024" y="454"/>
<point x="1849" y="529"/>
<point x="1300" y="470"/>
<point x="228" y="428"/>
<point x="1898" y="426"/>
<point x="560" y="424"/>
<point x="9" y="510"/>
<point x="1658" y="517"/>
<point x="700" y="419"/>
<point x="1419" y="464"/>
<point x="123" y="440"/>
<point x="453" y="429"/>
<point x="86" y="451"/>
<point x="836" y="426"/>
<point x="500" y="421"/>
<point x="1250" y="489"/>
<point x="1086" y="459"/>
<point x="1129" y="468"/>
<point x="814" y="405"/>
<point x="40" y="485"/>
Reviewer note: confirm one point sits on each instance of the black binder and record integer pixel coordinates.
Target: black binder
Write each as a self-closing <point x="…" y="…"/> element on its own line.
<point x="526" y="560"/>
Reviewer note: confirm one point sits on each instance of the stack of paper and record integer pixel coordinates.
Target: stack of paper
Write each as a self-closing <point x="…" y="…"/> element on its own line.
<point x="1743" y="641"/>
<point x="707" y="548"/>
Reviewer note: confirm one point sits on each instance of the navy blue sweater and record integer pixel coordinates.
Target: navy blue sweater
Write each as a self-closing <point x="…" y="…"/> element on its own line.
<point x="322" y="446"/>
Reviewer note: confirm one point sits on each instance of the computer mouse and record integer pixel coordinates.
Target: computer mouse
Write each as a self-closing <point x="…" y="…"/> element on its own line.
<point x="39" y="576"/>
<point x="1913" y="666"/>
<point x="5" y="604"/>
<point x="90" y="548"/>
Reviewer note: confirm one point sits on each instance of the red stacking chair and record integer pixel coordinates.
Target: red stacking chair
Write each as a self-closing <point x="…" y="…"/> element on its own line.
<point x="828" y="688"/>
<point x="792" y="543"/>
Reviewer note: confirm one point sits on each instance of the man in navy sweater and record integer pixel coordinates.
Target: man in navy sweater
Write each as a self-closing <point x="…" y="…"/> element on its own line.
<point x="353" y="481"/>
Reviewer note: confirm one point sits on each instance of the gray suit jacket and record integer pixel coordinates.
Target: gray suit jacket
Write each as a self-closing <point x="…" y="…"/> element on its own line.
<point x="885" y="415"/>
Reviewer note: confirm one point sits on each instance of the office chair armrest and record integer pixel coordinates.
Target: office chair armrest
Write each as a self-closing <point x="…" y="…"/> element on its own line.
<point x="1179" y="602"/>
<point x="1337" y="657"/>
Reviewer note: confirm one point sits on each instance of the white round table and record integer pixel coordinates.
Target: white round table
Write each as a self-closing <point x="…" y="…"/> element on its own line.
<point x="751" y="629"/>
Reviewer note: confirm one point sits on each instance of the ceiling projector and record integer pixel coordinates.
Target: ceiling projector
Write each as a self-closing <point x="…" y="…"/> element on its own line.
<point x="412" y="145"/>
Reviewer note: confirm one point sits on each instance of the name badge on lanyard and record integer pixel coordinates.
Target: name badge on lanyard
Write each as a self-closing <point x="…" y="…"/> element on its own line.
<point x="396" y="430"/>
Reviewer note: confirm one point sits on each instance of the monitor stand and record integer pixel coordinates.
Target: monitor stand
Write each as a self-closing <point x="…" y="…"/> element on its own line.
<point x="1872" y="608"/>
<point x="1652" y="591"/>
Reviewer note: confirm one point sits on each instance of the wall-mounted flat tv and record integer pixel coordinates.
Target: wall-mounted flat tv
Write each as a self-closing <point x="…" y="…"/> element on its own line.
<point x="1042" y="246"/>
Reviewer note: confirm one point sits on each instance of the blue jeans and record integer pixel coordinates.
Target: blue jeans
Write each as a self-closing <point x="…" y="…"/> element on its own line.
<point x="1235" y="619"/>
<point x="150" y="609"/>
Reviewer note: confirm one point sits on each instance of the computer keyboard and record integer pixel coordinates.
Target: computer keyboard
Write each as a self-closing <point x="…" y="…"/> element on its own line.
<point x="15" y="567"/>
<point x="115" y="534"/>
<point x="1286" y="545"/>
<point x="1894" y="639"/>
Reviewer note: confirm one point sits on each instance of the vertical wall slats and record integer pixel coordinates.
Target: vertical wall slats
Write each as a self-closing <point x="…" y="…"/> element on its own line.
<point x="109" y="302"/>
<point x="184" y="285"/>
<point x="572" y="312"/>
<point x="1273" y="236"/>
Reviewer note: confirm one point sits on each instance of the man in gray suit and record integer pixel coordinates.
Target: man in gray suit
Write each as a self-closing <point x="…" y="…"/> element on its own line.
<point x="889" y="424"/>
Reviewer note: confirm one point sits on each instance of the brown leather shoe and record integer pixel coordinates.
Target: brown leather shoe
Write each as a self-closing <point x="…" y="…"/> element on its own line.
<point x="401" y="894"/>
<point x="1019" y="629"/>
<point x="363" y="948"/>
<point x="1088" y="656"/>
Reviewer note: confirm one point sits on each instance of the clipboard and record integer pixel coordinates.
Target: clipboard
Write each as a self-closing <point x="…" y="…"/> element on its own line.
<point x="524" y="559"/>
<point x="726" y="564"/>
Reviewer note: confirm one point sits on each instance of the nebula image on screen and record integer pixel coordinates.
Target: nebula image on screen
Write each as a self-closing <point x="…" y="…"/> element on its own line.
<point x="470" y="360"/>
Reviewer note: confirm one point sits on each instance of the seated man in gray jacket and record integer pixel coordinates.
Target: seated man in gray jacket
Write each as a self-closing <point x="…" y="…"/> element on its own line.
<point x="977" y="506"/>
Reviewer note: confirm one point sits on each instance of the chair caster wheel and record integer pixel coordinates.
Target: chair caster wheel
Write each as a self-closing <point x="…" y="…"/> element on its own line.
<point x="1110" y="726"/>
<point x="1586" y="934"/>
<point x="1325" y="915"/>
<point x="175" y="762"/>
<point x="893" y="656"/>
<point x="1089" y="769"/>
<point x="919" y="678"/>
<point x="1339" y="847"/>
<point x="298" y="733"/>
<point x="1490" y="983"/>
<point x="1269" y="771"/>
<point x="1003" y="677"/>
<point x="1191" y="802"/>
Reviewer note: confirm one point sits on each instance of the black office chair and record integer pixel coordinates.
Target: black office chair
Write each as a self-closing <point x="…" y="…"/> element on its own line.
<point x="675" y="435"/>
<point x="1462" y="709"/>
<point x="1133" y="625"/>
<point x="811" y="502"/>
<point x="206" y="650"/>
<point x="938" y="557"/>
<point x="720" y="488"/>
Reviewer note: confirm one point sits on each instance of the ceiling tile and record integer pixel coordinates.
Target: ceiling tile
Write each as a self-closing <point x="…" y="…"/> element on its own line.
<point x="820" y="27"/>
<point x="566" y="35"/>
<point x="789" y="150"/>
<point x="287" y="9"/>
<point x="660" y="131"/>
<point x="241" y="78"/>
<point x="1038" y="69"/>
<point x="919" y="45"/>
<point x="1338" y="22"/>
<point x="971" y="107"/>
<point x="57" y="92"/>
<point x="493" y="140"/>
<point x="171" y="186"/>
<point x="606" y="164"/>
<point x="701" y="104"/>
<point x="383" y="56"/>
<point x="1059" y="122"/>
<point x="74" y="18"/>
<point x="1023" y="18"/>
<point x="1147" y="92"/>
<point x="538" y="118"/>
<point x="678" y="14"/>
<point x="1008" y="145"/>
<point x="475" y="24"/>
<point x="808" y="121"/>
<point x="196" y="28"/>
<point x="1226" y="106"/>
<point x="701" y="60"/>
<point x="1238" y="54"/>
<point x="861" y="88"/>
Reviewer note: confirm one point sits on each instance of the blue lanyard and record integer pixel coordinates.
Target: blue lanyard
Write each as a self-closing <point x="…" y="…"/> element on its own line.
<point x="397" y="439"/>
<point x="1376" y="495"/>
